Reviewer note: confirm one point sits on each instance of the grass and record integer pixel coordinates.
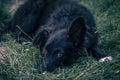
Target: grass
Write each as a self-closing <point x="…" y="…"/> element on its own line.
<point x="18" y="61"/>
<point x="3" y="15"/>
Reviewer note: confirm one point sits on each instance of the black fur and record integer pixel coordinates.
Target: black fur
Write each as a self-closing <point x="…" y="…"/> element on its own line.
<point x="62" y="29"/>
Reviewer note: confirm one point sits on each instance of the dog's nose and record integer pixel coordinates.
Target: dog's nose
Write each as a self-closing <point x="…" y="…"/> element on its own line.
<point x="42" y="68"/>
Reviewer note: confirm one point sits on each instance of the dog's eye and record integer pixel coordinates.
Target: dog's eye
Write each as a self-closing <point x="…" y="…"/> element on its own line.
<point x="58" y="54"/>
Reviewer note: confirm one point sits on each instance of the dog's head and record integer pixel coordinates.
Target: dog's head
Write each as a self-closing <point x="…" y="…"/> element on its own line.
<point x="60" y="47"/>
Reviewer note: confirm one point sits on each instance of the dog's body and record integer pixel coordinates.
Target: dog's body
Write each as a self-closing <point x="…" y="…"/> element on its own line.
<point x="62" y="29"/>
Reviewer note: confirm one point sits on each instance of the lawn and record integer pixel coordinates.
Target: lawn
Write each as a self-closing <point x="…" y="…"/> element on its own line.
<point x="18" y="61"/>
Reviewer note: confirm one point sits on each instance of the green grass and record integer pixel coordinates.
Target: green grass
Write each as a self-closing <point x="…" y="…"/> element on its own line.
<point x="3" y="15"/>
<point x="18" y="61"/>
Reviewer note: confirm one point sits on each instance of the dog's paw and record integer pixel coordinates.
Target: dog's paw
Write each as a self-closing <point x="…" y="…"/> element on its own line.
<point x="108" y="58"/>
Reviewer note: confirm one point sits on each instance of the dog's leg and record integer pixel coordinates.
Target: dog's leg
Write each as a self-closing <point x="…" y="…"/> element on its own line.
<point x="99" y="54"/>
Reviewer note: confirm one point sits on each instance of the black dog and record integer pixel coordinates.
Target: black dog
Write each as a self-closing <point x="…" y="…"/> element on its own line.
<point x="62" y="29"/>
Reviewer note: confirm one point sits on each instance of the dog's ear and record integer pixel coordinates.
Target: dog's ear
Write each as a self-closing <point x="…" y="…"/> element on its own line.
<point x="77" y="31"/>
<point x="40" y="38"/>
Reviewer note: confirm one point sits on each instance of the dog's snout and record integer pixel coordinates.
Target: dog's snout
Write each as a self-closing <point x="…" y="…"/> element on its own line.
<point x="46" y="66"/>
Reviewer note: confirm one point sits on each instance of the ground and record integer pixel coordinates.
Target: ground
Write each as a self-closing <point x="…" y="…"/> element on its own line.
<point x="19" y="61"/>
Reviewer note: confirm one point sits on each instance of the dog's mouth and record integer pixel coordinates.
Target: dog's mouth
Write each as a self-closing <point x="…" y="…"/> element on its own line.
<point x="48" y="68"/>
